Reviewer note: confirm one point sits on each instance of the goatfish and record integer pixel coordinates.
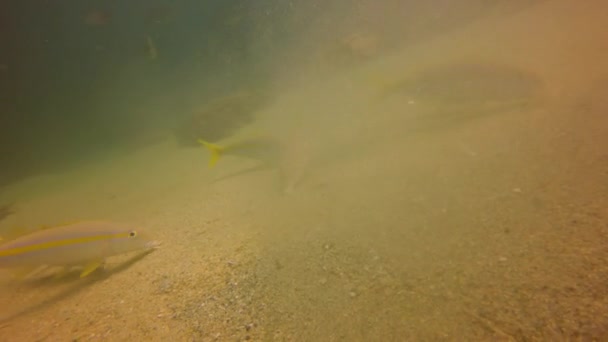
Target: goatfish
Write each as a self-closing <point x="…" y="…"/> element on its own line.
<point x="261" y="148"/>
<point x="290" y="160"/>
<point x="82" y="244"/>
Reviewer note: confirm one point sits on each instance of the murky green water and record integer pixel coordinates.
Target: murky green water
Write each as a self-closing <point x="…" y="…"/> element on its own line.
<point x="436" y="171"/>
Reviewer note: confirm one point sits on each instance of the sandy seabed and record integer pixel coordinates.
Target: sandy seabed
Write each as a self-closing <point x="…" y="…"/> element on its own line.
<point x="489" y="229"/>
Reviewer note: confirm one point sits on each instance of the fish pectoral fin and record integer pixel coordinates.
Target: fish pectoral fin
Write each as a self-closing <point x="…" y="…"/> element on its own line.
<point x="90" y="267"/>
<point x="25" y="272"/>
<point x="215" y="151"/>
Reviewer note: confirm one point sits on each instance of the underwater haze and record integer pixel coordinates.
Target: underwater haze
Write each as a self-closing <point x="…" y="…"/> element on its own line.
<point x="389" y="170"/>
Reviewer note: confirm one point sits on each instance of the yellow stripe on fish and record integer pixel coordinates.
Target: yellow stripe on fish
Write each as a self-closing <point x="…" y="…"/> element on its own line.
<point x="66" y="242"/>
<point x="84" y="244"/>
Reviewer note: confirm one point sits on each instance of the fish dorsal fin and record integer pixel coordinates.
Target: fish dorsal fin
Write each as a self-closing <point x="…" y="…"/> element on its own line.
<point x="47" y="226"/>
<point x="14" y="233"/>
<point x="19" y="231"/>
<point x="66" y="223"/>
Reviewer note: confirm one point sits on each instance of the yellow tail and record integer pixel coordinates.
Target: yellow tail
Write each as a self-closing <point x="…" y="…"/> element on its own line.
<point x="215" y="151"/>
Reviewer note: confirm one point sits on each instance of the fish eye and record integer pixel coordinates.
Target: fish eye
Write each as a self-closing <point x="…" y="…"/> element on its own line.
<point x="132" y="233"/>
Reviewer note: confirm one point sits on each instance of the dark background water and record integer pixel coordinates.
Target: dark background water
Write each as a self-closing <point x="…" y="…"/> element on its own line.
<point x="71" y="90"/>
<point x="59" y="74"/>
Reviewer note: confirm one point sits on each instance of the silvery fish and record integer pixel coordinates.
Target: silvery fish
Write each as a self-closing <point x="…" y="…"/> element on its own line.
<point x="271" y="152"/>
<point x="261" y="148"/>
<point x="82" y="244"/>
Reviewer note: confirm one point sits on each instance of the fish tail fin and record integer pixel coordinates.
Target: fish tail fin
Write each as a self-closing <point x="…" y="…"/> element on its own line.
<point x="215" y="151"/>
